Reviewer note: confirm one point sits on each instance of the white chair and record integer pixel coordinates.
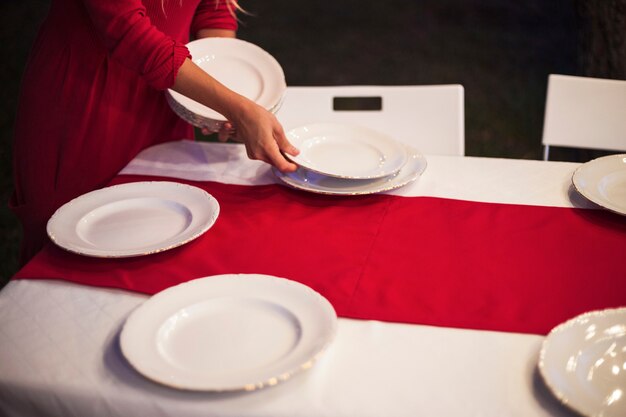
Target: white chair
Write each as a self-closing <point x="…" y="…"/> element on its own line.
<point x="583" y="112"/>
<point x="431" y="118"/>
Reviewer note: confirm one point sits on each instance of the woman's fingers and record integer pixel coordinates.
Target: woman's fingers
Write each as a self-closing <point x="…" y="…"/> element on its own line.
<point x="266" y="149"/>
<point x="283" y="143"/>
<point x="264" y="137"/>
<point x="279" y="161"/>
<point x="227" y="131"/>
<point x="223" y="134"/>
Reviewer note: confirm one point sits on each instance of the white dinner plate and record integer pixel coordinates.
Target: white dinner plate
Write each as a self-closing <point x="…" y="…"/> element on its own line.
<point x="241" y="66"/>
<point x="306" y="180"/>
<point x="231" y="332"/>
<point x="133" y="219"/>
<point x="583" y="362"/>
<point x="346" y="151"/>
<point x="603" y="181"/>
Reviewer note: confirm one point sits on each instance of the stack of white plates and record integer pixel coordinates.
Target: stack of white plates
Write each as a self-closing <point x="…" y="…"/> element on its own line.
<point x="342" y="159"/>
<point x="241" y="66"/>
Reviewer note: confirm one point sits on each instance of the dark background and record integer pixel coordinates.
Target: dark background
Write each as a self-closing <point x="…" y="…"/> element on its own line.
<point x="501" y="51"/>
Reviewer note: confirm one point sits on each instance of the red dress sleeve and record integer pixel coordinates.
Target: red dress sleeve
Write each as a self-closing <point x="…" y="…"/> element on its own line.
<point x="135" y="42"/>
<point x="214" y="14"/>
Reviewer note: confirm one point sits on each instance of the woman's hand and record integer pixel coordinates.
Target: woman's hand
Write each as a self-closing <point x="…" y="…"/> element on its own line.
<point x="263" y="136"/>
<point x="248" y="123"/>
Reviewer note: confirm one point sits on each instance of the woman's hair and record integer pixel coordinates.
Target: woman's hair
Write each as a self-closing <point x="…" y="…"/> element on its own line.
<point x="233" y="6"/>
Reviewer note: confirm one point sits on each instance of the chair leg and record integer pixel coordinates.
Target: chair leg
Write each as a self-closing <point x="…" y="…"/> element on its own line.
<point x="546" y="152"/>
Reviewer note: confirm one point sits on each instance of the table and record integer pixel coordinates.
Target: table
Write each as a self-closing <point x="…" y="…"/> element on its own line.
<point x="59" y="353"/>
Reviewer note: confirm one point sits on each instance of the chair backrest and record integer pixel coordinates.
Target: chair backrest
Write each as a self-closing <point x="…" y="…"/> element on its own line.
<point x="583" y="112"/>
<point x="431" y="118"/>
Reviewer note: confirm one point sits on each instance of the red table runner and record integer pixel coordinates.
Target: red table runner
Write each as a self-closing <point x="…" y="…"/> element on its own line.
<point x="417" y="260"/>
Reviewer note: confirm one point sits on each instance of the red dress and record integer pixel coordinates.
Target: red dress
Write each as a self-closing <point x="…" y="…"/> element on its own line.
<point x="92" y="97"/>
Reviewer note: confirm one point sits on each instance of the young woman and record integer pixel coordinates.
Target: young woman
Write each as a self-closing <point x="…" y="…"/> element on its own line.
<point x="92" y="98"/>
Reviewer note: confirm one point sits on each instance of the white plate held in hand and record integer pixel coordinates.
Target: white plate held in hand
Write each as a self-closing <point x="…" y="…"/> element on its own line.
<point x="346" y="151"/>
<point x="228" y="333"/>
<point x="583" y="361"/>
<point x="306" y="180"/>
<point x="133" y="219"/>
<point x="241" y="66"/>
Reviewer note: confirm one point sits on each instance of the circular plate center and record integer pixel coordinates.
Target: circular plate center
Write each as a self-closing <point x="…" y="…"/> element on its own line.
<point x="235" y="73"/>
<point x="342" y="156"/>
<point x="133" y="223"/>
<point x="227" y="336"/>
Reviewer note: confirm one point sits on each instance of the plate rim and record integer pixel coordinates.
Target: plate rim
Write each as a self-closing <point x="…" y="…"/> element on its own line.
<point x="411" y="151"/>
<point x="580" y="189"/>
<point x="255" y="385"/>
<point x="54" y="237"/>
<point x="390" y="140"/>
<point x="541" y="365"/>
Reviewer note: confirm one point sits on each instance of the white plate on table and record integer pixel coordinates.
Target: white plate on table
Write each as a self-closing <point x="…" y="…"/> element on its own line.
<point x="603" y="181"/>
<point x="234" y="332"/>
<point x="241" y="66"/>
<point x="583" y="362"/>
<point x="306" y="180"/>
<point x="133" y="219"/>
<point x="346" y="151"/>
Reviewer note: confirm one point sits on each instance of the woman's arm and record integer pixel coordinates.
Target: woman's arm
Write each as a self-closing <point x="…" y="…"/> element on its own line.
<point x="216" y="33"/>
<point x="256" y="127"/>
<point x="132" y="40"/>
<point x="130" y="37"/>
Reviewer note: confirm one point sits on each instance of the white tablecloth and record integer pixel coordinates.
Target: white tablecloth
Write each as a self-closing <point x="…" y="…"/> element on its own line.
<point x="59" y="353"/>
